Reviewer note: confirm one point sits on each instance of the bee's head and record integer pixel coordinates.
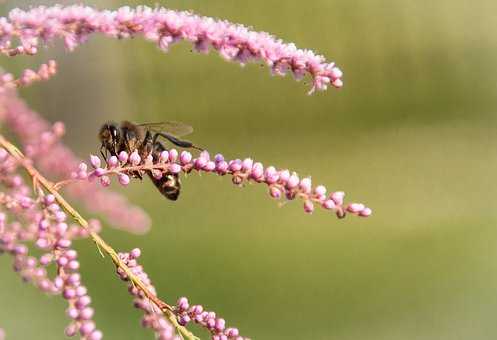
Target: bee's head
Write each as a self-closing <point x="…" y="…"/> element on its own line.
<point x="110" y="136"/>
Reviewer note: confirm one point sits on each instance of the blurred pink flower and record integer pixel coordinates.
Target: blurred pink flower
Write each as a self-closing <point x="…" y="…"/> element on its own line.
<point x="234" y="42"/>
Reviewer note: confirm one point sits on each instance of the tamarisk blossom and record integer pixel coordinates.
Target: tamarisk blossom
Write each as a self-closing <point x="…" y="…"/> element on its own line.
<point x="234" y="42"/>
<point x="36" y="218"/>
<point x="154" y="318"/>
<point x="281" y="183"/>
<point x="42" y="144"/>
<point x="28" y="77"/>
<point x="2" y="334"/>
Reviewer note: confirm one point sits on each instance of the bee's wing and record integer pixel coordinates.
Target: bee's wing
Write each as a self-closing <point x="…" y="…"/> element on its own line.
<point x="176" y="129"/>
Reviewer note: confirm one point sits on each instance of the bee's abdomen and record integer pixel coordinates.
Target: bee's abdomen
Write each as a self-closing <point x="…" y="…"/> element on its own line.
<point x="169" y="185"/>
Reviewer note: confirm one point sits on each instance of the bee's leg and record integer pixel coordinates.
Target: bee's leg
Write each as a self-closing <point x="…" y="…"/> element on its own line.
<point x="176" y="141"/>
<point x="104" y="156"/>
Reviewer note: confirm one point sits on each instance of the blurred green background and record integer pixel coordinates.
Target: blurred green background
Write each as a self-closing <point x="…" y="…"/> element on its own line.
<point x="412" y="134"/>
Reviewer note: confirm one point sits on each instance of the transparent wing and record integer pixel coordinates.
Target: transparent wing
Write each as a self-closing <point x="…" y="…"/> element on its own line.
<point x="176" y="129"/>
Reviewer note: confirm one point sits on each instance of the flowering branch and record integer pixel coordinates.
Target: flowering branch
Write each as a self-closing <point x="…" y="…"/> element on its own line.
<point x="41" y="142"/>
<point x="281" y="183"/>
<point x="38" y="179"/>
<point x="234" y="42"/>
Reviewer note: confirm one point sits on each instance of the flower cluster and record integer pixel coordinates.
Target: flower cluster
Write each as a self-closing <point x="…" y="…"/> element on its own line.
<point x="154" y="318"/>
<point x="2" y="334"/>
<point x="42" y="144"/>
<point x="215" y="325"/>
<point x="74" y="24"/>
<point x="45" y="72"/>
<point x="35" y="217"/>
<point x="281" y="183"/>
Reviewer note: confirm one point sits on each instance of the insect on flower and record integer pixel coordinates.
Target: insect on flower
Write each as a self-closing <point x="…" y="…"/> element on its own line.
<point x="144" y="138"/>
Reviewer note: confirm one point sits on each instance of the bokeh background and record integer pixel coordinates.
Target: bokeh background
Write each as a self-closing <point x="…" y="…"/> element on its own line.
<point x="412" y="134"/>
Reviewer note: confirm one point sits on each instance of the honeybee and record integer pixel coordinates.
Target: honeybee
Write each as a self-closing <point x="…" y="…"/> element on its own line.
<point x="129" y="137"/>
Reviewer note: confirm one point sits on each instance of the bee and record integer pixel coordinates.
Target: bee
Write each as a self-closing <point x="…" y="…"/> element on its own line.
<point x="144" y="138"/>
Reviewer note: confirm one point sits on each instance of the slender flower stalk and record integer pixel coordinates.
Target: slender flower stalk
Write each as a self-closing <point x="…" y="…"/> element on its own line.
<point x="41" y="183"/>
<point x="281" y="183"/>
<point x="154" y="318"/>
<point x="22" y="32"/>
<point x="34" y="217"/>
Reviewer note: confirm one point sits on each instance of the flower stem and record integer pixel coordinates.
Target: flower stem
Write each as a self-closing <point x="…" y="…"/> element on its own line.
<point x="101" y="244"/>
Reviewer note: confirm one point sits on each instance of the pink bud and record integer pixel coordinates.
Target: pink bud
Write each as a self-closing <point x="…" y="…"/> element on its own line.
<point x="336" y="73"/>
<point x="182" y="304"/>
<point x="175" y="168"/>
<point x="235" y="165"/>
<point x="135" y="253"/>
<point x="320" y="190"/>
<point x="105" y="181"/>
<point x="275" y="192"/>
<point x="220" y="324"/>
<point x="365" y="212"/>
<point x="99" y="172"/>
<point x="329" y="204"/>
<point x="338" y="83"/>
<point x="222" y="167"/>
<point x="293" y="181"/>
<point x="95" y="161"/>
<point x="185" y="157"/>
<point x="284" y="176"/>
<point x="135" y="158"/>
<point x="123" y="157"/>
<point x="123" y="179"/>
<point x="173" y="155"/>
<point x="355" y="207"/>
<point x="338" y="197"/>
<point x="306" y="185"/>
<point x="95" y="335"/>
<point x="308" y="207"/>
<point x="210" y="166"/>
<point x="113" y="161"/>
<point x="247" y="164"/>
